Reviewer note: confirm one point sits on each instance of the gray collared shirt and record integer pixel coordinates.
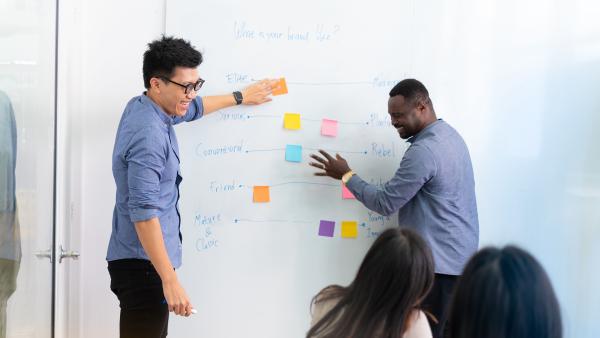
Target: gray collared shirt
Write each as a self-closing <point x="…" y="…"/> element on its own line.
<point x="10" y="242"/>
<point x="434" y="194"/>
<point x="145" y="165"/>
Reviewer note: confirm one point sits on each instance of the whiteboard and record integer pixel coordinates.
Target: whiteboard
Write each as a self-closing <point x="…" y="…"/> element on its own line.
<point x="505" y="75"/>
<point x="251" y="269"/>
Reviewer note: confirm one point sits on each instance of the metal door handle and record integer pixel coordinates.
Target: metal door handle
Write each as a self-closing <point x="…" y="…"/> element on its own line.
<point x="44" y="254"/>
<point x="67" y="254"/>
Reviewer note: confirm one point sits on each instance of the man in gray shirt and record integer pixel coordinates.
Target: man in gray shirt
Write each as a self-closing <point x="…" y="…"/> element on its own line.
<point x="433" y="190"/>
<point x="10" y="242"/>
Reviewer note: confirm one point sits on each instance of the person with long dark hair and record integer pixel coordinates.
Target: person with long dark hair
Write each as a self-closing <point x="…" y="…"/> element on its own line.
<point x="384" y="300"/>
<point x="504" y="293"/>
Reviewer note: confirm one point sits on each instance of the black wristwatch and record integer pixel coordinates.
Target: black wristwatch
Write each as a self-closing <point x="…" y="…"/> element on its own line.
<point x="238" y="97"/>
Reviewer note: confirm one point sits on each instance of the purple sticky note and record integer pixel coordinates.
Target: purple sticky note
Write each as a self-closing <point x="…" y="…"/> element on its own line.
<point x="326" y="228"/>
<point x="346" y="193"/>
<point x="329" y="127"/>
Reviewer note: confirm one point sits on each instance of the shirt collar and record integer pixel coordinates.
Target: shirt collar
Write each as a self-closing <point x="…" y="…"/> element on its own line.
<point x="413" y="138"/>
<point x="166" y="118"/>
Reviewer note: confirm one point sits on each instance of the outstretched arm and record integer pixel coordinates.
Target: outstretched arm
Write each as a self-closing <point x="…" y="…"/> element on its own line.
<point x="256" y="93"/>
<point x="416" y="168"/>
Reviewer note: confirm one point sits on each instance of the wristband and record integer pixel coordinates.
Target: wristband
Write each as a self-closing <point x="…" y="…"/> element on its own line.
<point x="347" y="176"/>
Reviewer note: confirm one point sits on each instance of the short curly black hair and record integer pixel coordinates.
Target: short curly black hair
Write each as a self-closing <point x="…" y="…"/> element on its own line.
<point x="412" y="90"/>
<point x="166" y="53"/>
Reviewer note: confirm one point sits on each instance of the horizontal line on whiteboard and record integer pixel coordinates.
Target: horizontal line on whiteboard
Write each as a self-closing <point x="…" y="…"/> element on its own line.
<point x="303" y="119"/>
<point x="311" y="149"/>
<point x="330" y="83"/>
<point x="256" y="150"/>
<point x="238" y="220"/>
<point x="293" y="182"/>
<point x="337" y="151"/>
<point x="310" y="183"/>
<point x="365" y="123"/>
<point x="264" y="116"/>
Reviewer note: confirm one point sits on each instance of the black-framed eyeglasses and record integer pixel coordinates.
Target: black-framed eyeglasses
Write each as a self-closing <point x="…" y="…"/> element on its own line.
<point x="188" y="88"/>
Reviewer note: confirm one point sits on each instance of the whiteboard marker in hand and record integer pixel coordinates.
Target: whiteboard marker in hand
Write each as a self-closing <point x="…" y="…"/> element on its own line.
<point x="193" y="311"/>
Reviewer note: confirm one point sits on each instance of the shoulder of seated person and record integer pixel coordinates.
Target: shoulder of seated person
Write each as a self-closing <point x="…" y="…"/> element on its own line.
<point x="418" y="326"/>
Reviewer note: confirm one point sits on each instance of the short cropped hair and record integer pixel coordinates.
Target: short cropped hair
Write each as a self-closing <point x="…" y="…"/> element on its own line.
<point x="166" y="53"/>
<point x="412" y="90"/>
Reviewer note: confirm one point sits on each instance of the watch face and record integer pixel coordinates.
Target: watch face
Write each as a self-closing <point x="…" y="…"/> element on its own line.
<point x="238" y="97"/>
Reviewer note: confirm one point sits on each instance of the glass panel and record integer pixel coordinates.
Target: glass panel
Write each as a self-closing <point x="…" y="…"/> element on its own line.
<point x="27" y="82"/>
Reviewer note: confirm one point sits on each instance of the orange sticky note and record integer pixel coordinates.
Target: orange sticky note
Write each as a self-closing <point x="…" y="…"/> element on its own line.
<point x="281" y="87"/>
<point x="349" y="229"/>
<point x="346" y="193"/>
<point x="291" y="121"/>
<point x="261" y="194"/>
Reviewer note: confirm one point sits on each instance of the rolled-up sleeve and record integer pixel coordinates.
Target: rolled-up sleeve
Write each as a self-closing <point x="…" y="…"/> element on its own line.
<point x="146" y="158"/>
<point x="416" y="168"/>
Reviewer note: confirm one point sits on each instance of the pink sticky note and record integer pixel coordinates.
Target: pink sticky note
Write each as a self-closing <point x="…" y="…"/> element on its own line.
<point x="329" y="127"/>
<point x="347" y="194"/>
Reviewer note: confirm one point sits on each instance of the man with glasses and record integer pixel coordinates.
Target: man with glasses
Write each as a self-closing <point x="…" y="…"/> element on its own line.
<point x="145" y="244"/>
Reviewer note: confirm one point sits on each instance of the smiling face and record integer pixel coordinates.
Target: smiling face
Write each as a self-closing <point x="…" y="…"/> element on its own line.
<point x="170" y="96"/>
<point x="406" y="116"/>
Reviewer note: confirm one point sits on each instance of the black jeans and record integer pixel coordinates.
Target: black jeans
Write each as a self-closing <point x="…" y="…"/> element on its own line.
<point x="437" y="303"/>
<point x="144" y="311"/>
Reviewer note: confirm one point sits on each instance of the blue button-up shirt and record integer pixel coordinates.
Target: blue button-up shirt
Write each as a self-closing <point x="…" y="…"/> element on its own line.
<point x="145" y="166"/>
<point x="434" y="194"/>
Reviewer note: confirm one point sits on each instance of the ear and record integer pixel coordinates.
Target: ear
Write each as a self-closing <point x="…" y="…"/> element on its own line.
<point x="421" y="106"/>
<point x="155" y="84"/>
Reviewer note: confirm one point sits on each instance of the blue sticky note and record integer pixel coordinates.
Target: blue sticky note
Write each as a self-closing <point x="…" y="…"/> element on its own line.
<point x="293" y="153"/>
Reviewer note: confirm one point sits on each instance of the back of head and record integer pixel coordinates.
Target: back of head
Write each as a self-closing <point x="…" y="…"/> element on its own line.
<point x="394" y="277"/>
<point x="165" y="54"/>
<point x="504" y="293"/>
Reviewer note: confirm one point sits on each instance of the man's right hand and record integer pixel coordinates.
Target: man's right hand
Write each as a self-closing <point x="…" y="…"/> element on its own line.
<point x="177" y="299"/>
<point x="334" y="167"/>
<point x="151" y="237"/>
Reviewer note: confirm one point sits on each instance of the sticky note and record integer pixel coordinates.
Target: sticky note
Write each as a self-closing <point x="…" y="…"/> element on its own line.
<point x="349" y="229"/>
<point x="281" y="88"/>
<point x="329" y="127"/>
<point x="261" y="194"/>
<point x="293" y="153"/>
<point x="291" y="121"/>
<point x="346" y="193"/>
<point x="326" y="228"/>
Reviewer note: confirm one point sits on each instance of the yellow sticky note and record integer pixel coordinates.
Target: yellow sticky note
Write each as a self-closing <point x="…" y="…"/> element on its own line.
<point x="291" y="121"/>
<point x="349" y="229"/>
<point x="281" y="87"/>
<point x="261" y="194"/>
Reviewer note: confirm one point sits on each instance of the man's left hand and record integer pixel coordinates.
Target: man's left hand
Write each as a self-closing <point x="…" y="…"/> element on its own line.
<point x="332" y="167"/>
